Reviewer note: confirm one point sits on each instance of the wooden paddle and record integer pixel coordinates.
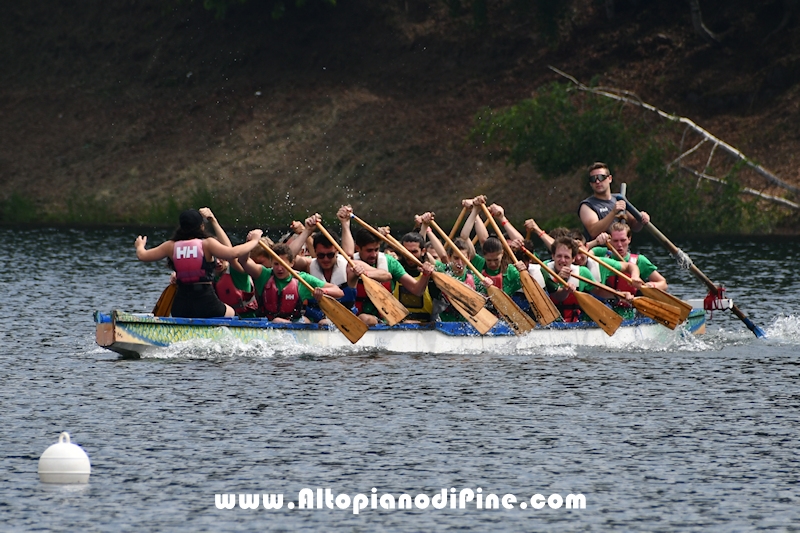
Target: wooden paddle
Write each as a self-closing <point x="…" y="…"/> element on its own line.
<point x="665" y="314"/>
<point x="607" y="319"/>
<point x="457" y="225"/>
<point x="387" y="305"/>
<point x="454" y="289"/>
<point x="164" y="304"/>
<point x="651" y="292"/>
<point x="482" y="321"/>
<point x="541" y="304"/>
<point x="519" y="320"/>
<point x="685" y="262"/>
<point x="349" y="324"/>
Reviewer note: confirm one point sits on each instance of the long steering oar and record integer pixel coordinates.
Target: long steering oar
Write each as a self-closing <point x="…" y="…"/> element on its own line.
<point x="665" y="314"/>
<point x="164" y="304"/>
<point x="387" y="305"/>
<point x="454" y="289"/>
<point x="541" y="304"/>
<point x="519" y="321"/>
<point x="349" y="324"/>
<point x="608" y="320"/>
<point x="650" y="292"/>
<point x="685" y="262"/>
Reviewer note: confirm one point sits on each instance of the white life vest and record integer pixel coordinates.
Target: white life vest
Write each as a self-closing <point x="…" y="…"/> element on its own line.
<point x="338" y="275"/>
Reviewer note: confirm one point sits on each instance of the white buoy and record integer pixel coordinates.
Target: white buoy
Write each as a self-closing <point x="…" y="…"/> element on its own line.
<point x="64" y="463"/>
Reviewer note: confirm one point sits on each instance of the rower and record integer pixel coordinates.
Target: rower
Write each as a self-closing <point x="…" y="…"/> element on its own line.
<point x="327" y="265"/>
<point x="453" y="266"/>
<point x="597" y="212"/>
<point x="231" y="283"/>
<point x="564" y="250"/>
<point x="620" y="240"/>
<point x="391" y="272"/>
<point x="493" y="264"/>
<point x="280" y="297"/>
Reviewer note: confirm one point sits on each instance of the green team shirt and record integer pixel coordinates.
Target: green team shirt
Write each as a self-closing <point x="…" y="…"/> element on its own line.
<point x="511" y="281"/>
<point x="302" y="291"/>
<point x="604" y="272"/>
<point x="646" y="268"/>
<point x="241" y="280"/>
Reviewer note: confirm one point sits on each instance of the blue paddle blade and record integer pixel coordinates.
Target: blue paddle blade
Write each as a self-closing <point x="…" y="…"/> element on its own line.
<point x="757" y="331"/>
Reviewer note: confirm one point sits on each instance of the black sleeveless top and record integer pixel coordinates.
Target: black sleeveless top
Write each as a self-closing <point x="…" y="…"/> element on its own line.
<point x="601" y="207"/>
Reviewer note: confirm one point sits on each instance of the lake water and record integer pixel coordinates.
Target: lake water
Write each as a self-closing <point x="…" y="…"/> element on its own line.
<point x="696" y="434"/>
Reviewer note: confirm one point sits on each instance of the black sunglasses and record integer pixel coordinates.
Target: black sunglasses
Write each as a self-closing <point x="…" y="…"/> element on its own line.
<point x="329" y="255"/>
<point x="598" y="178"/>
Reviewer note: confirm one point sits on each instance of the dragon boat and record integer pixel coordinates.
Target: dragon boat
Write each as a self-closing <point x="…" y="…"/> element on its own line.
<point x="134" y="335"/>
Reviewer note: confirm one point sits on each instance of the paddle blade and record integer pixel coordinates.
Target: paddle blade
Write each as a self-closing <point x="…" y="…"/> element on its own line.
<point x="387" y="305"/>
<point x="349" y="324"/>
<point x="541" y="304"/>
<point x="757" y="331"/>
<point x="665" y="314"/>
<point x="518" y="319"/>
<point x="662" y="296"/>
<point x="483" y="321"/>
<point x="608" y="320"/>
<point x="457" y="291"/>
<point x="164" y="304"/>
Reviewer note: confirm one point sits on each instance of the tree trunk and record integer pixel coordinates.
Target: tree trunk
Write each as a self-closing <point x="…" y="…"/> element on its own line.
<point x="610" y="9"/>
<point x="697" y="21"/>
<point x="789" y="8"/>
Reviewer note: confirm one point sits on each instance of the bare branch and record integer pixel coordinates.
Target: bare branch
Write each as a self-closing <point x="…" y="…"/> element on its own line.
<point x="746" y="190"/>
<point x="697" y="21"/>
<point x="687" y="152"/>
<point x="727" y="148"/>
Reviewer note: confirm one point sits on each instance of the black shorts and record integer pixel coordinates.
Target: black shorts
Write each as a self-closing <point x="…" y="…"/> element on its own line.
<point x="197" y="300"/>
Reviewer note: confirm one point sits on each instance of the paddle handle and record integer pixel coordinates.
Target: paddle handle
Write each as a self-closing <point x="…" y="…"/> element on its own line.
<point x="285" y="265"/>
<point x="458" y="252"/>
<point x="493" y="222"/>
<point x="547" y="268"/>
<point x="397" y="246"/>
<point x="459" y="220"/>
<point x="335" y="244"/>
<point x="615" y="252"/>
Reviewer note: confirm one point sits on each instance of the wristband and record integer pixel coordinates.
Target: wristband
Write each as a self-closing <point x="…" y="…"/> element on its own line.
<point x="504" y="222"/>
<point x="541" y="233"/>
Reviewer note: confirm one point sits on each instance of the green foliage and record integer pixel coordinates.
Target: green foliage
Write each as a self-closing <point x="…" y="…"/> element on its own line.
<point x="277" y="8"/>
<point x="18" y="209"/>
<point x="550" y="15"/>
<point x="681" y="205"/>
<point x="547" y="15"/>
<point x="557" y="131"/>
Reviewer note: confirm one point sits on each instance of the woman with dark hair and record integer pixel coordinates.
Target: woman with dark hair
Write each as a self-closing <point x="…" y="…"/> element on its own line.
<point x="192" y="251"/>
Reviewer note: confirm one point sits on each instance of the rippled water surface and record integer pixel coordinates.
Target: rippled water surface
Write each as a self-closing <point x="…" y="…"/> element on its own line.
<point x="695" y="434"/>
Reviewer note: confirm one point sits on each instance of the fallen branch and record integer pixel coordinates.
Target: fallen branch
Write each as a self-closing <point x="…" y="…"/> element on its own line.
<point x="745" y="190"/>
<point x="635" y="100"/>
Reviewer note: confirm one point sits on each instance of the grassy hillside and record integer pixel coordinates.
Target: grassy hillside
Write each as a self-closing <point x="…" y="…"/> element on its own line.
<point x="130" y="111"/>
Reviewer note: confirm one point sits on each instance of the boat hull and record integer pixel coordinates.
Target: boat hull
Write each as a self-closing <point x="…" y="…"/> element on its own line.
<point x="135" y="335"/>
